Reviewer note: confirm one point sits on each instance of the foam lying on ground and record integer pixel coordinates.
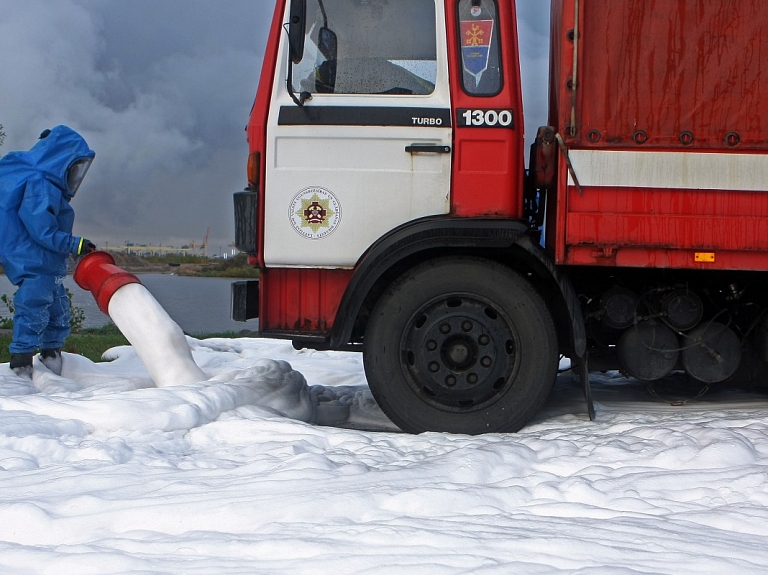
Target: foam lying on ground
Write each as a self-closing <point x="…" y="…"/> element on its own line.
<point x="107" y="474"/>
<point x="118" y="395"/>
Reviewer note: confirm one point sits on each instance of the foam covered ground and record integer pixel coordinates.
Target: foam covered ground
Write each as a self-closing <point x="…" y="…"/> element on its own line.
<point x="282" y="463"/>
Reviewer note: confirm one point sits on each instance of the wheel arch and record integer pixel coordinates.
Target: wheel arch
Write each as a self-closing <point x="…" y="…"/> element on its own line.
<point x="560" y="296"/>
<point x="502" y="240"/>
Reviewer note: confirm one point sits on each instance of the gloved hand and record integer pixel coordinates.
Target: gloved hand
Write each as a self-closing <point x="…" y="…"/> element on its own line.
<point x="84" y="246"/>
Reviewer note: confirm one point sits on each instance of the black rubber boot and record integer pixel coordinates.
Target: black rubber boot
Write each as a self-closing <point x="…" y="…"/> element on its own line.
<point x="51" y="359"/>
<point x="21" y="363"/>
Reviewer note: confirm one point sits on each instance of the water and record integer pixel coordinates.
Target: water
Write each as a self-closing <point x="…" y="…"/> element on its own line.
<point x="198" y="305"/>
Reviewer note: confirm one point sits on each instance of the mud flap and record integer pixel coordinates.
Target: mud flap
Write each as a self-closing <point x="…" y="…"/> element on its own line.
<point x="583" y="367"/>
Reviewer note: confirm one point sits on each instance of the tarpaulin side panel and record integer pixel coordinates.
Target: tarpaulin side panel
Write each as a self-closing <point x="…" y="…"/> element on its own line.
<point x="684" y="72"/>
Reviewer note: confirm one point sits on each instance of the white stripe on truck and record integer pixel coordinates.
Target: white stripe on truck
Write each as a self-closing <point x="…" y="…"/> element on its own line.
<point x="670" y="170"/>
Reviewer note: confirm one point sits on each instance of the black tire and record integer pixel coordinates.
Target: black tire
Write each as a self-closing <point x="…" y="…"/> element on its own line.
<point x="461" y="345"/>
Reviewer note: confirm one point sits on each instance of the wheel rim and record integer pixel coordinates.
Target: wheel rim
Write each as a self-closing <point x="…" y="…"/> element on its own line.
<point x="460" y="353"/>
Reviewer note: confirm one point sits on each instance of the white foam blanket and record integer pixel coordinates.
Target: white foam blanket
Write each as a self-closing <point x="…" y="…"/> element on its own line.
<point x="102" y="472"/>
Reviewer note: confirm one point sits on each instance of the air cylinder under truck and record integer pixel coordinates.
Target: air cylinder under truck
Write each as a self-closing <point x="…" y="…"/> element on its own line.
<point x="390" y="211"/>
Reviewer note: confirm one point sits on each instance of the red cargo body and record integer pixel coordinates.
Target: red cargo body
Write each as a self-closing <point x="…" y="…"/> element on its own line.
<point x="664" y="132"/>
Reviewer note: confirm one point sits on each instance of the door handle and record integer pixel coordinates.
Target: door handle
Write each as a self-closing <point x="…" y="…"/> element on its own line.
<point x="427" y="149"/>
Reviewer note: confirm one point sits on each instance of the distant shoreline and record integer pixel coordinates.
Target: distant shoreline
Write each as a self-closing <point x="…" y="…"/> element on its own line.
<point x="229" y="268"/>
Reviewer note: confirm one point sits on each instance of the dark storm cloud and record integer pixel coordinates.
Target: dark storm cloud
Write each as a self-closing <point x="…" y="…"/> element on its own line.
<point x="161" y="89"/>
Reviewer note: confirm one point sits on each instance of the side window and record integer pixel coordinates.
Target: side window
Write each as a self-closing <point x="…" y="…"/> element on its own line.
<point x="368" y="47"/>
<point x="479" y="45"/>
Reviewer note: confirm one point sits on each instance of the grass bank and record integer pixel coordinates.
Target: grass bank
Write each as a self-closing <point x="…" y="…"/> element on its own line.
<point x="201" y="266"/>
<point x="92" y="342"/>
<point x="234" y="267"/>
<point x="88" y="342"/>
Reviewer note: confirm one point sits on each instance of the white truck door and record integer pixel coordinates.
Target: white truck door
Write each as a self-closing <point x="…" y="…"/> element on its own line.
<point x="370" y="149"/>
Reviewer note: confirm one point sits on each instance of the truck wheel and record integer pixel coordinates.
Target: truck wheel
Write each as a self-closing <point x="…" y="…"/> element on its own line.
<point x="461" y="345"/>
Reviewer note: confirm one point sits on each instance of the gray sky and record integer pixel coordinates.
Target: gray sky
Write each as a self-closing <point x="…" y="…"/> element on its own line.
<point x="161" y="90"/>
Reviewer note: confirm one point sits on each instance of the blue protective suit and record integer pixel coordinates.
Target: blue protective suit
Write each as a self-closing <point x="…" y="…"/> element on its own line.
<point x="36" y="235"/>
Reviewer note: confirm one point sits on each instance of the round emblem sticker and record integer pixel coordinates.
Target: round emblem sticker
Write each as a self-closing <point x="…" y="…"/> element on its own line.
<point x="315" y="213"/>
<point x="476" y="11"/>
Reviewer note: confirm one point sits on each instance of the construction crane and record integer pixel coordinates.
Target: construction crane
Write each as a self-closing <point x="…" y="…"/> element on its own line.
<point x="205" y="241"/>
<point x="204" y="246"/>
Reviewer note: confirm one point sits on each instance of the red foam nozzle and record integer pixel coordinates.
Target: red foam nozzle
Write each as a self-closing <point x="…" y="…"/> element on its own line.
<point x="98" y="274"/>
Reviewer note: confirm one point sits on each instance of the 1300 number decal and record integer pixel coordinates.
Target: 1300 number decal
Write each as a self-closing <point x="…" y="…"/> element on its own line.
<point x="486" y="118"/>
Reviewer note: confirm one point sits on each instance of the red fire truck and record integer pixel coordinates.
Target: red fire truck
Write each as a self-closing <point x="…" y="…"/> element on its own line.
<point x="389" y="209"/>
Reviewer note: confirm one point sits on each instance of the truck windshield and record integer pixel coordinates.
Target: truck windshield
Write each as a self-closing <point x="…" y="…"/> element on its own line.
<point x="381" y="47"/>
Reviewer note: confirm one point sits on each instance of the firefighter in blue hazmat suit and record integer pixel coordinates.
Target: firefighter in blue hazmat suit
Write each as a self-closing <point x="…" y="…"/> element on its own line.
<point x="36" y="240"/>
